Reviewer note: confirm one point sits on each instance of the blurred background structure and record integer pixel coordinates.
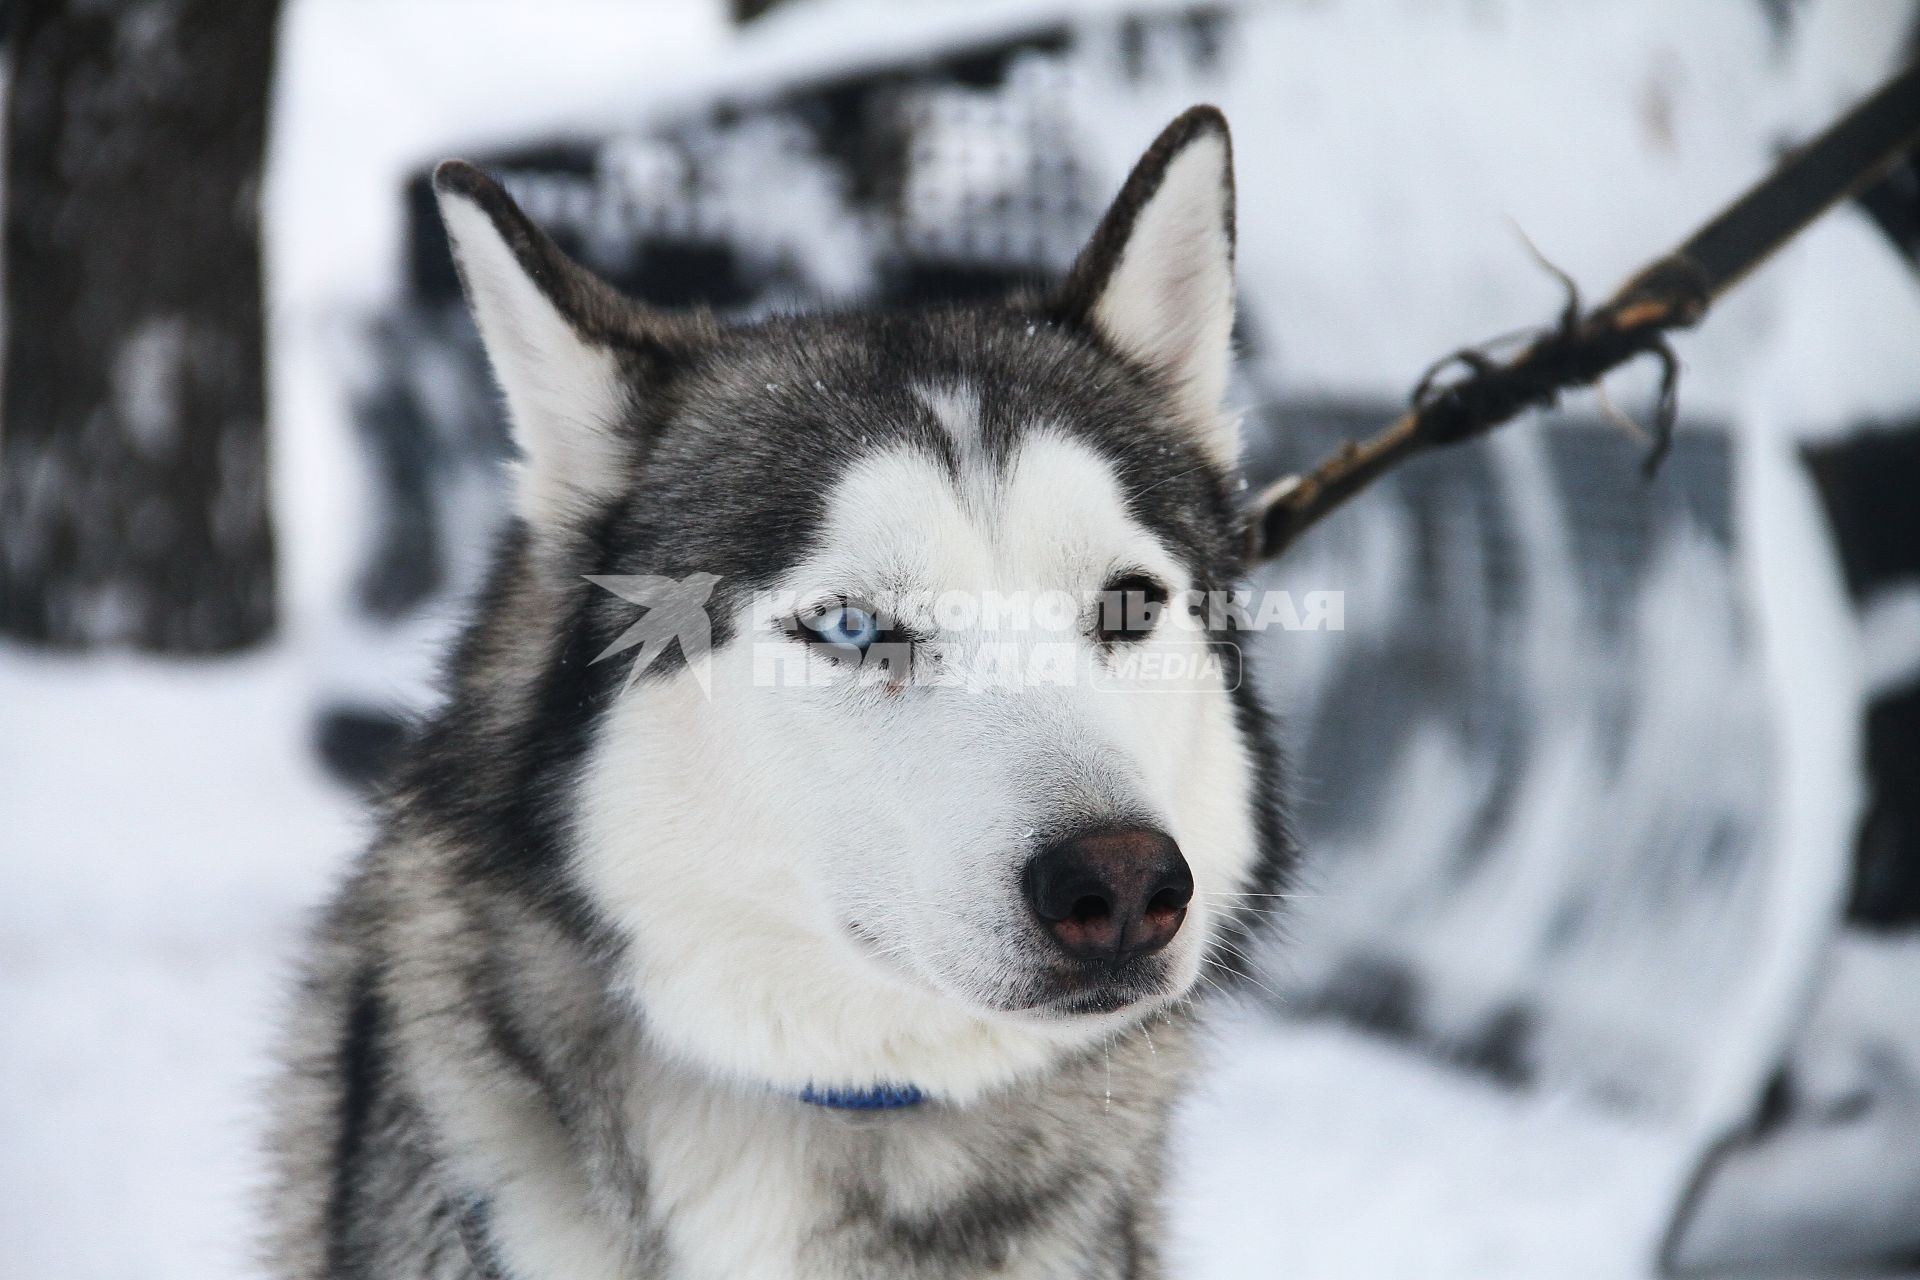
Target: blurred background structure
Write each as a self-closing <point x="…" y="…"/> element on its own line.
<point x="134" y="488"/>
<point x="1608" y="955"/>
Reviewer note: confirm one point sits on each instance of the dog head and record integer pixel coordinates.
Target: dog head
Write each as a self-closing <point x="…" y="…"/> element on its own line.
<point x="930" y="777"/>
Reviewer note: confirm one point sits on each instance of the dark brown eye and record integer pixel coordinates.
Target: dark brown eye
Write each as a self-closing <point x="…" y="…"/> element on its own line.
<point x="1130" y="607"/>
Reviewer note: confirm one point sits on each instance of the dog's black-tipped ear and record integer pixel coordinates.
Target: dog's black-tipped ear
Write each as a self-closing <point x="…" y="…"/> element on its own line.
<point x="1156" y="280"/>
<point x="550" y="329"/>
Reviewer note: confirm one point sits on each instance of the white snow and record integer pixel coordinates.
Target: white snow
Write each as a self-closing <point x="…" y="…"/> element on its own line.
<point x="1318" y="1152"/>
<point x="163" y="828"/>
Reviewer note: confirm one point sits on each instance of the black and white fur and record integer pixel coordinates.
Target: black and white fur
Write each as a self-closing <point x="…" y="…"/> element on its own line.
<point x="555" y="1025"/>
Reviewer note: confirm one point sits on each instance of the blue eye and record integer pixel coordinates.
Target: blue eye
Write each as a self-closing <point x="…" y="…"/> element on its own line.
<point x="844" y="626"/>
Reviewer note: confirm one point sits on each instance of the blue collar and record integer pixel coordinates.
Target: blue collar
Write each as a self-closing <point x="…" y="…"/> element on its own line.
<point x="881" y="1097"/>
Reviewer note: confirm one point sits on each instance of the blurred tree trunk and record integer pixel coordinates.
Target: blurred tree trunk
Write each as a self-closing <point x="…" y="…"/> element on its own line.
<point x="133" y="467"/>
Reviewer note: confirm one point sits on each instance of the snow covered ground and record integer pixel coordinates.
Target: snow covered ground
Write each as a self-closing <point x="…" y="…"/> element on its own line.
<point x="163" y="827"/>
<point x="165" y="830"/>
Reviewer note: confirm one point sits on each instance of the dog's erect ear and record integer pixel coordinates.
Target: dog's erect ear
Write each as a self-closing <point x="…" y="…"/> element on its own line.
<point x="551" y="330"/>
<point x="1156" y="280"/>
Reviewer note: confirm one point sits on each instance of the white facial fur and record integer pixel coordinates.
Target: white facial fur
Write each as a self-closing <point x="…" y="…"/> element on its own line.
<point x="735" y="840"/>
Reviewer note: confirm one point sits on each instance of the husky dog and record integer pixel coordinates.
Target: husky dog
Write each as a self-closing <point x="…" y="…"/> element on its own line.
<point x="697" y="973"/>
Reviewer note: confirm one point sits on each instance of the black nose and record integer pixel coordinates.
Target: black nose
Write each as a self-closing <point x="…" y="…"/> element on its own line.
<point x="1111" y="894"/>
